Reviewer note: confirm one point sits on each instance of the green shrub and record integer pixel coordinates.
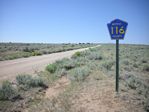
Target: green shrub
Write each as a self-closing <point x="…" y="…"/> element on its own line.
<point x="23" y="79"/>
<point x="135" y="65"/>
<point x="81" y="54"/>
<point x="37" y="82"/>
<point x="7" y="91"/>
<point x="144" y="60"/>
<point x="81" y="61"/>
<point x="44" y="52"/>
<point x="35" y="53"/>
<point x="79" y="74"/>
<point x="69" y="64"/>
<point x="132" y="83"/>
<point x="51" y="68"/>
<point x="95" y="56"/>
<point x="76" y="55"/>
<point x="125" y="62"/>
<point x="65" y="63"/>
<point x="135" y="83"/>
<point x="85" y="53"/>
<point x="108" y="64"/>
<point x="29" y="81"/>
<point x="26" y="49"/>
<point x="145" y="67"/>
<point x="61" y="72"/>
<point x="93" y="66"/>
<point x="93" y="49"/>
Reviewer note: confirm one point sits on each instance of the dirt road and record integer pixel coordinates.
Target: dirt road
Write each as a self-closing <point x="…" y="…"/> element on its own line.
<point x="10" y="68"/>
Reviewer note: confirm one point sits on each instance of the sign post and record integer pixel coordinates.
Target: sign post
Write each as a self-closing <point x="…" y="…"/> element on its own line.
<point x="117" y="65"/>
<point x="117" y="29"/>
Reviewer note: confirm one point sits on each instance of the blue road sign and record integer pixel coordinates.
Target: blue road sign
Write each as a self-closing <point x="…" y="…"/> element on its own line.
<point x="117" y="29"/>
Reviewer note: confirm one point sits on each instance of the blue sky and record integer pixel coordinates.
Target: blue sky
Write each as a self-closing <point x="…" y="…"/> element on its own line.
<point x="63" y="21"/>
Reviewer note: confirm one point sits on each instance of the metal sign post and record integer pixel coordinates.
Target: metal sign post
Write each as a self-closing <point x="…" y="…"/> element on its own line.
<point x="117" y="29"/>
<point x="117" y="65"/>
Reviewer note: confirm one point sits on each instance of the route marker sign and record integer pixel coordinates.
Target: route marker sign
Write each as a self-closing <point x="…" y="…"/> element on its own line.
<point x="117" y="29"/>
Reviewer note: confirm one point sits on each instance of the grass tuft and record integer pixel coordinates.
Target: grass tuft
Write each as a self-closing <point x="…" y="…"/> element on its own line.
<point x="7" y="91"/>
<point x="29" y="82"/>
<point x="79" y="74"/>
<point x="51" y="68"/>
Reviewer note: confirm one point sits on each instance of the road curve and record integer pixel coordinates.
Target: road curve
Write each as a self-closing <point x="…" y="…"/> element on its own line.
<point x="10" y="68"/>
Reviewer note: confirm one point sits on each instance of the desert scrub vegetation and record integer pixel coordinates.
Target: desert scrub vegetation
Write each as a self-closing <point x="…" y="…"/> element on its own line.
<point x="9" y="51"/>
<point x="77" y="67"/>
<point x="134" y="61"/>
<point x="29" y="81"/>
<point x="7" y="91"/>
<point x="51" y="68"/>
<point x="95" y="56"/>
<point x="79" y="74"/>
<point x="133" y="72"/>
<point x="19" y="94"/>
<point x="107" y="64"/>
<point x="136" y="83"/>
<point x="145" y="67"/>
<point x="77" y="54"/>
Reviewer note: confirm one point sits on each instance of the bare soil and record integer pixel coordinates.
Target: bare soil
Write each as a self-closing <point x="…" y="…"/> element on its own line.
<point x="97" y="95"/>
<point x="57" y="88"/>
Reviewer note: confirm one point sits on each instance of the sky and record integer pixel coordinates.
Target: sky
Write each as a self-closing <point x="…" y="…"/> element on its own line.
<point x="72" y="21"/>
